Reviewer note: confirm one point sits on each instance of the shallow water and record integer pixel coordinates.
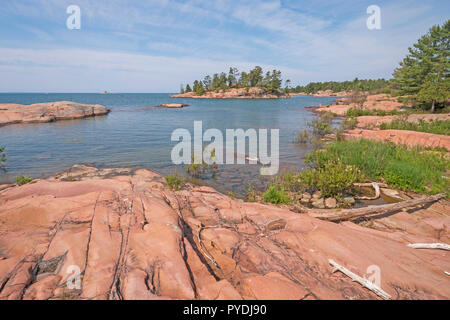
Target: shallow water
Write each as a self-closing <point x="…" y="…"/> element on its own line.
<point x="136" y="135"/>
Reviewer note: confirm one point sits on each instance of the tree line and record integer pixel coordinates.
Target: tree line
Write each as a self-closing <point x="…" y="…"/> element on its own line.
<point x="270" y="81"/>
<point x="338" y="86"/>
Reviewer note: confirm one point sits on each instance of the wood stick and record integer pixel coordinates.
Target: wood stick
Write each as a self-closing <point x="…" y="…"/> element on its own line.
<point x="364" y="282"/>
<point x="447" y="273"/>
<point x="375" y="186"/>
<point x="441" y="246"/>
<point x="352" y="214"/>
<point x="369" y="184"/>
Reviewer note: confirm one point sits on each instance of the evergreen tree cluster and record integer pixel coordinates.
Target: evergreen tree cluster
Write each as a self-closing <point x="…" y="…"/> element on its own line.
<point x="270" y="81"/>
<point x="423" y="75"/>
<point x="336" y="86"/>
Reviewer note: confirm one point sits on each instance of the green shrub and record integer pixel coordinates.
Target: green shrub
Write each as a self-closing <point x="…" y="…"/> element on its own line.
<point x="175" y="181"/>
<point x="334" y="179"/>
<point x="302" y="137"/>
<point x="251" y="194"/>
<point x="276" y="196"/>
<point x="21" y="180"/>
<point x="433" y="126"/>
<point x="349" y="123"/>
<point x="320" y="127"/>
<point x="288" y="180"/>
<point x="2" y="158"/>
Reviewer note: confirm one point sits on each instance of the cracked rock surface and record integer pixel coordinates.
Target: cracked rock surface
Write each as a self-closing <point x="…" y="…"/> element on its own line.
<point x="131" y="237"/>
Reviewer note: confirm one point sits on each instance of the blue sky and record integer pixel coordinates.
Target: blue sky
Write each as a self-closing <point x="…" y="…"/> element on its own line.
<point x="154" y="46"/>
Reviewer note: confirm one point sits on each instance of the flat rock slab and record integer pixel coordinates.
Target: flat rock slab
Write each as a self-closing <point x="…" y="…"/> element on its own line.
<point x="48" y="112"/>
<point x="131" y="237"/>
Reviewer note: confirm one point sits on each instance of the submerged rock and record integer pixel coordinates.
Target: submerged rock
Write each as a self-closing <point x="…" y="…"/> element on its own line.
<point x="131" y="237"/>
<point x="173" y="105"/>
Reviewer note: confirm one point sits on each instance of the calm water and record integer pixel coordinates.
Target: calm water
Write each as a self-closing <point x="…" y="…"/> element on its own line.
<point x="136" y="135"/>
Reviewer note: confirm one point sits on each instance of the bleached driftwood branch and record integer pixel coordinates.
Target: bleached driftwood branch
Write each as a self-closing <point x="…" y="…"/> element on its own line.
<point x="369" y="184"/>
<point x="375" y="186"/>
<point x="364" y="282"/>
<point x="352" y="214"/>
<point x="441" y="246"/>
<point x="447" y="273"/>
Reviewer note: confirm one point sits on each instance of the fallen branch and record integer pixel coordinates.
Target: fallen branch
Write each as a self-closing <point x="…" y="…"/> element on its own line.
<point x="364" y="282"/>
<point x="441" y="246"/>
<point x="369" y="184"/>
<point x="375" y="186"/>
<point x="447" y="273"/>
<point x="352" y="214"/>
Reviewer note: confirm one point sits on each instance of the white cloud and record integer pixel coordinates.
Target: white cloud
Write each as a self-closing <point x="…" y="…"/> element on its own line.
<point x="94" y="71"/>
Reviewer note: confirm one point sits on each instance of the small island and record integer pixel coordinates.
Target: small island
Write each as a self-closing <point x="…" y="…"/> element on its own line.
<point x="48" y="112"/>
<point x="254" y="84"/>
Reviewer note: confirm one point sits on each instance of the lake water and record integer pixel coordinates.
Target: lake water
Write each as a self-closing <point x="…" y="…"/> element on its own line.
<point x="136" y="135"/>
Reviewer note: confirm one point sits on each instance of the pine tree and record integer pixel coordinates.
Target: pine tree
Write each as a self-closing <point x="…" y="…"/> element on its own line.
<point x="188" y="88"/>
<point x="426" y="68"/>
<point x="435" y="89"/>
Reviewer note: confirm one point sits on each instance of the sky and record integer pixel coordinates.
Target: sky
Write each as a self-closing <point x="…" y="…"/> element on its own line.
<point x="154" y="46"/>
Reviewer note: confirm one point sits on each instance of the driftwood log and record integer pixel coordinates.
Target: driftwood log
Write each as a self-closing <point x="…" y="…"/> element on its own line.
<point x="362" y="281"/>
<point x="441" y="246"/>
<point x="352" y="214"/>
<point x="374" y="185"/>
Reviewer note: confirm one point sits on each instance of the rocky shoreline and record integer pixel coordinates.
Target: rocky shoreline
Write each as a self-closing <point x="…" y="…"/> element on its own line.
<point x="48" y="112"/>
<point x="134" y="238"/>
<point x="368" y="127"/>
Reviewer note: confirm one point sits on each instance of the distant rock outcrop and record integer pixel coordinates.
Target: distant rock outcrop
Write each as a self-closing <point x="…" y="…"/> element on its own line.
<point x="48" y="112"/>
<point x="236" y="93"/>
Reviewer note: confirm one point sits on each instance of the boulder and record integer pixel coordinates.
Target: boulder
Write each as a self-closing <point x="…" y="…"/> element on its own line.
<point x="330" y="203"/>
<point x="349" y="200"/>
<point x="318" y="203"/>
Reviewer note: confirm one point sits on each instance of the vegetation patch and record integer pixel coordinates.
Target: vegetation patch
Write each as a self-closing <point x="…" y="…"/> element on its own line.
<point x="433" y="126"/>
<point x="333" y="179"/>
<point x="276" y="195"/>
<point x="415" y="169"/>
<point x="175" y="181"/>
<point x="21" y="180"/>
<point x="2" y="158"/>
<point x="355" y="112"/>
